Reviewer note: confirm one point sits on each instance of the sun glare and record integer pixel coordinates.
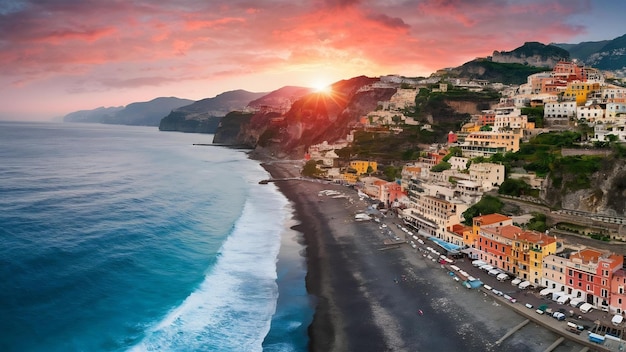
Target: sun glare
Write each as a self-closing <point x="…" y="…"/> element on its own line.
<point x="322" y="88"/>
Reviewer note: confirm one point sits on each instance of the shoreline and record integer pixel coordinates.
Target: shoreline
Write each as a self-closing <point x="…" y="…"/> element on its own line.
<point x="367" y="299"/>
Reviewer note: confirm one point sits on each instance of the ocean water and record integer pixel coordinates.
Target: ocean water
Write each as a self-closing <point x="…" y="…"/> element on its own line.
<point x="117" y="238"/>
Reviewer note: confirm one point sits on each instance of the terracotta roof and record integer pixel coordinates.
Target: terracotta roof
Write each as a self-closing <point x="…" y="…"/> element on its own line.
<point x="492" y="219"/>
<point x="536" y="237"/>
<point x="587" y="255"/>
<point x="516" y="233"/>
<point x="593" y="255"/>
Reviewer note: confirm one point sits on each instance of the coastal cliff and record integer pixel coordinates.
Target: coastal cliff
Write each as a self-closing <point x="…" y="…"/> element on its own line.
<point x="315" y="118"/>
<point x="204" y="116"/>
<point x="604" y="194"/>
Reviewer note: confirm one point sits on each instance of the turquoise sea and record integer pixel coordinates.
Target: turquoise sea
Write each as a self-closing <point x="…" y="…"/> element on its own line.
<point x="117" y="238"/>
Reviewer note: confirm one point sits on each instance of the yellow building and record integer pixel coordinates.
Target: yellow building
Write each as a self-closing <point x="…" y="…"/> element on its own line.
<point x="579" y="91"/>
<point x="527" y="252"/>
<point x="362" y="166"/>
<point x="488" y="143"/>
<point x="499" y="243"/>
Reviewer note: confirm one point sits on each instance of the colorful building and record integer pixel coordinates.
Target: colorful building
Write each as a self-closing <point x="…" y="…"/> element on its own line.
<point x="580" y="91"/>
<point x="471" y="237"/>
<point x="486" y="144"/>
<point x="527" y="253"/>
<point x="515" y="250"/>
<point x="590" y="273"/>
<point x="617" y="301"/>
<point x="361" y="167"/>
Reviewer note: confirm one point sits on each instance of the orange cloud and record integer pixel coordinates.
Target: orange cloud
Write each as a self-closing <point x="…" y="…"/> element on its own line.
<point x="195" y="24"/>
<point x="190" y="42"/>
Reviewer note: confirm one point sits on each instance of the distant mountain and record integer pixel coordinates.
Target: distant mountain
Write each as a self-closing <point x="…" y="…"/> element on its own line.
<point x="204" y="115"/>
<point x="533" y="54"/>
<point x="244" y="129"/>
<point x="604" y="55"/>
<point x="582" y="50"/>
<point x="147" y="113"/>
<point x="280" y="99"/>
<point x="96" y="115"/>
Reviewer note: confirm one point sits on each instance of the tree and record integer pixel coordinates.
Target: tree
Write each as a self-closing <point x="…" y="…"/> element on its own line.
<point x="310" y="169"/>
<point x="441" y="167"/>
<point x="487" y="205"/>
<point x="538" y="222"/>
<point x="513" y="187"/>
<point x="391" y="173"/>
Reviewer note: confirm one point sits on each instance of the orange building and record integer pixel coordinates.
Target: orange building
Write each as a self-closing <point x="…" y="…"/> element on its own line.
<point x="471" y="237"/>
<point x="515" y="250"/>
<point x="569" y="71"/>
<point x="495" y="242"/>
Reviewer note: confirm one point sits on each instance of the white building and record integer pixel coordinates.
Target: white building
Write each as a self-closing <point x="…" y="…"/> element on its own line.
<point x="601" y="131"/>
<point x="458" y="163"/>
<point x="510" y="122"/>
<point x="553" y="273"/>
<point x="559" y="113"/>
<point x="612" y="93"/>
<point x="488" y="175"/>
<point x="590" y="113"/>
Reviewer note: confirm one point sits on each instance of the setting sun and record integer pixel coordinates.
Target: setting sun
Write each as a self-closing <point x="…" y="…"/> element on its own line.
<point x="322" y="88"/>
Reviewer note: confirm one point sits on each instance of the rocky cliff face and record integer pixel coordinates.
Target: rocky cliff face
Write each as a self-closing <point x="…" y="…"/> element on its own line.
<point x="203" y="116"/>
<point x="314" y="118"/>
<point x="533" y="60"/>
<point x="532" y="53"/>
<point x="607" y="194"/>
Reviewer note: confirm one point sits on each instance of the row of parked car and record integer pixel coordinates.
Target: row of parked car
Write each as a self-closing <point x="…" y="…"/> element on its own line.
<point x="499" y="274"/>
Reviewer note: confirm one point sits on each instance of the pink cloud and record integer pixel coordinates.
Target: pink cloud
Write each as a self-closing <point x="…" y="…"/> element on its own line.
<point x="157" y="44"/>
<point x="195" y="24"/>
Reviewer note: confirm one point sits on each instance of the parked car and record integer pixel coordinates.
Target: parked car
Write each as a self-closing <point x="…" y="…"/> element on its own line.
<point x="529" y="306"/>
<point x="558" y="316"/>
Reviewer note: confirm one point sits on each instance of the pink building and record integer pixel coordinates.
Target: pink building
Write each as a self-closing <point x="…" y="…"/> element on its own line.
<point x="590" y="273"/>
<point x="618" y="292"/>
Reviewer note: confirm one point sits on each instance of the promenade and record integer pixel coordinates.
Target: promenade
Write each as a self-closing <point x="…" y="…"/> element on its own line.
<point x="596" y="320"/>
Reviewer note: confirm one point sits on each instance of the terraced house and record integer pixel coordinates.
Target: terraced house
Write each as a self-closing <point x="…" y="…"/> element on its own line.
<point x="589" y="273"/>
<point x="515" y="250"/>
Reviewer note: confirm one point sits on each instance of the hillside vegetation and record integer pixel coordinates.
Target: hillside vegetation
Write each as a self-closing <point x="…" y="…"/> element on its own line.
<point x="506" y="73"/>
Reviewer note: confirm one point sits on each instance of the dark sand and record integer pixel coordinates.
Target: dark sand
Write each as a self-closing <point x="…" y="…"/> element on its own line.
<point x="360" y="307"/>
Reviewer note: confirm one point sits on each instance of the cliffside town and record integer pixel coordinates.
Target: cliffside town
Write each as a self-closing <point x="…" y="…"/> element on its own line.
<point x="568" y="123"/>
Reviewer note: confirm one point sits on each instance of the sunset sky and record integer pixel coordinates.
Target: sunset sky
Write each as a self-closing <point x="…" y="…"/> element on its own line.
<point x="59" y="56"/>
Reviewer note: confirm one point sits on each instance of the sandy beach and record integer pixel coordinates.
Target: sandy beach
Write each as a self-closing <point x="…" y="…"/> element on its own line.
<point x="368" y="296"/>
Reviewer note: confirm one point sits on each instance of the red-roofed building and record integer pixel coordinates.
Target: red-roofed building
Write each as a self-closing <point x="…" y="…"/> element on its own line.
<point x="590" y="273"/>
<point x="471" y="238"/>
<point x="527" y="253"/>
<point x="514" y="250"/>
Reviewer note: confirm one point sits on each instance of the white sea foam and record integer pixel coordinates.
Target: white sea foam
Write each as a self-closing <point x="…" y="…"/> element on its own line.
<point x="232" y="309"/>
